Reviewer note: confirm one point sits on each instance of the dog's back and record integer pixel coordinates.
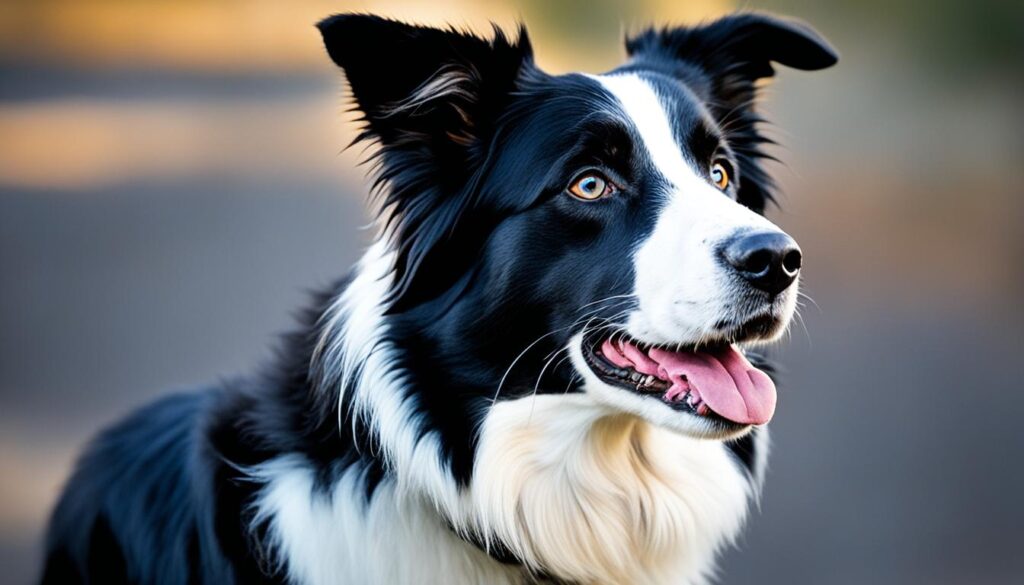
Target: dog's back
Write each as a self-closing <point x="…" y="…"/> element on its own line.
<point x="133" y="510"/>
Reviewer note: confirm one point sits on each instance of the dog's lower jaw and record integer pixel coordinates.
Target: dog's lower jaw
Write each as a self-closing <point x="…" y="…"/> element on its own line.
<point x="586" y="494"/>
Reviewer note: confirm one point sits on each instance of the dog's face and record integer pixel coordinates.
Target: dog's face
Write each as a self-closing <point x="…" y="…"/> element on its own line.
<point x="591" y="233"/>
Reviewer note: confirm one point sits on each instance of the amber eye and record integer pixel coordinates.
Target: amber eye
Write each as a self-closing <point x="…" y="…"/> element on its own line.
<point x="719" y="176"/>
<point x="591" y="185"/>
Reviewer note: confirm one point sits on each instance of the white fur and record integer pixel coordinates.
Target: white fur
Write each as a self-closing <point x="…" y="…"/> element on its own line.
<point x="594" y="495"/>
<point x="682" y="290"/>
<point x="581" y="491"/>
<point x="357" y="356"/>
<point x="335" y="538"/>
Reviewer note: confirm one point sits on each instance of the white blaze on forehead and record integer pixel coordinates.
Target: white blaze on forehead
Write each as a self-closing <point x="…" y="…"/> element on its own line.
<point x="641" y="104"/>
<point x="682" y="288"/>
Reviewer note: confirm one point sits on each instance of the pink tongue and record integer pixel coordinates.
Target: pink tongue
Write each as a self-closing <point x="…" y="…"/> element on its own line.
<point x="729" y="385"/>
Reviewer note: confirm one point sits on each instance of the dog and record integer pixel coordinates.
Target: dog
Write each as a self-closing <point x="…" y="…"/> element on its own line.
<point x="537" y="371"/>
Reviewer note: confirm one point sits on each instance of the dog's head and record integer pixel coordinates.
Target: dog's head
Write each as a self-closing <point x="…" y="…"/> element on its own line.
<point x="616" y="217"/>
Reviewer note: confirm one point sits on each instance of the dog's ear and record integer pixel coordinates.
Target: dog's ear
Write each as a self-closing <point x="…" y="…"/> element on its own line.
<point x="722" y="61"/>
<point x="430" y="99"/>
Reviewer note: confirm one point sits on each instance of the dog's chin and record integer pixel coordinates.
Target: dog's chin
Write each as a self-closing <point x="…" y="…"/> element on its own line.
<point x="672" y="401"/>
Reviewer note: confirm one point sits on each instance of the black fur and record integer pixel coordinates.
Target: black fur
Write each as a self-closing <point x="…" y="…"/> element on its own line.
<point x="472" y="190"/>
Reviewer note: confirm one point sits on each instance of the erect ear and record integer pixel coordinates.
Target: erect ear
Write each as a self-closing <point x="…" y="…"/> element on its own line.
<point x="431" y="99"/>
<point x="721" y="61"/>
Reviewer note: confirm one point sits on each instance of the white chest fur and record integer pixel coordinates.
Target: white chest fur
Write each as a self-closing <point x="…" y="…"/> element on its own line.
<point x="337" y="538"/>
<point x="600" y="497"/>
<point x="571" y="488"/>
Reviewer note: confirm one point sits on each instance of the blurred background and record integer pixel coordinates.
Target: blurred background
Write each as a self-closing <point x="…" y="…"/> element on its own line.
<point x="172" y="183"/>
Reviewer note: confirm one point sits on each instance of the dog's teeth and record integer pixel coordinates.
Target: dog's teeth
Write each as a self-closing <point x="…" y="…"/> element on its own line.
<point x="635" y="376"/>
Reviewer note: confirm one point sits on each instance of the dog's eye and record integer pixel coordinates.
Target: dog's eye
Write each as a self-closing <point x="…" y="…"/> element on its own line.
<point x="591" y="185"/>
<point x="720" y="176"/>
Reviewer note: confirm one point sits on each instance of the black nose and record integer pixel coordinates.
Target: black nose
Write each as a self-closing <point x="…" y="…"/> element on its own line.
<point x="769" y="261"/>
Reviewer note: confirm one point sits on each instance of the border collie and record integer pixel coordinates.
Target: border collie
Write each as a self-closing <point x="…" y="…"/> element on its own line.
<point x="534" y="374"/>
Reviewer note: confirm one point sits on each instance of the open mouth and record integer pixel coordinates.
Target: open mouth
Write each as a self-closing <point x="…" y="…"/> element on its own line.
<point x="715" y="382"/>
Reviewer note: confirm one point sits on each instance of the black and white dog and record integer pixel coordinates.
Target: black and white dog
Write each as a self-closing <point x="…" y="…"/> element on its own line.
<point x="533" y="374"/>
